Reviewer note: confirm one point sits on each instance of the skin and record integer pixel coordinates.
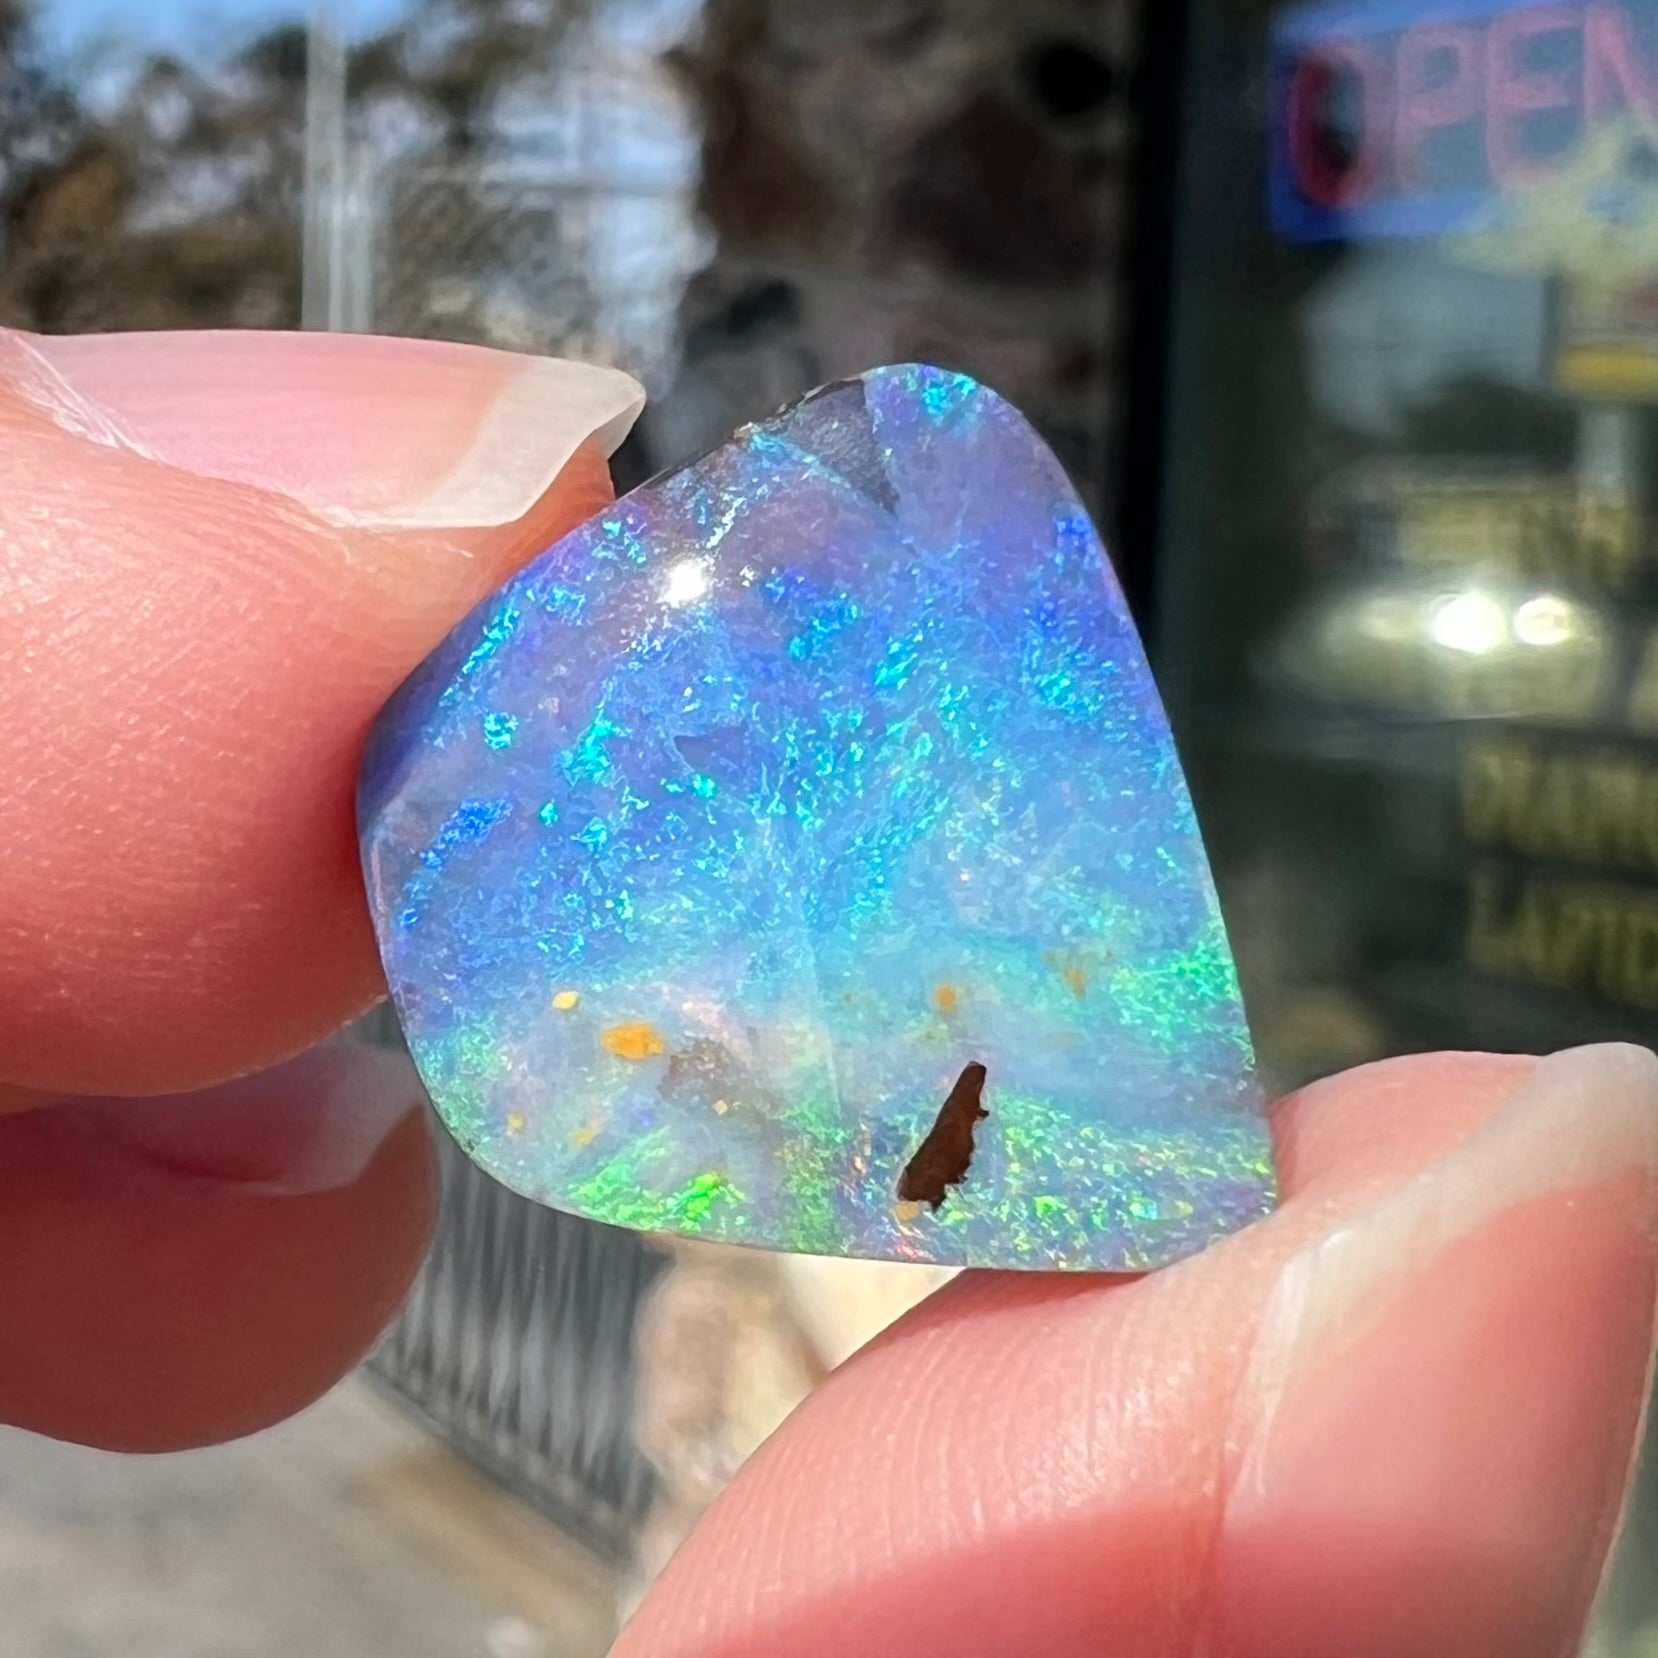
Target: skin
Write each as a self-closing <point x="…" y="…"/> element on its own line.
<point x="1397" y="1418"/>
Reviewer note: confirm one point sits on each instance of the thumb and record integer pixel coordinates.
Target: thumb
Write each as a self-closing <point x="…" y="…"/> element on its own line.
<point x="1395" y="1419"/>
<point x="219" y="553"/>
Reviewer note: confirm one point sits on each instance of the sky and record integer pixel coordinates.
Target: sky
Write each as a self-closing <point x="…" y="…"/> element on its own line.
<point x="191" y="28"/>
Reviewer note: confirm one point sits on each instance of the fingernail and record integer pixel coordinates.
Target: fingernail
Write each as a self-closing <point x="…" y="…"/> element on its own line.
<point x="1474" y="1348"/>
<point x="312" y="1125"/>
<point x="361" y="430"/>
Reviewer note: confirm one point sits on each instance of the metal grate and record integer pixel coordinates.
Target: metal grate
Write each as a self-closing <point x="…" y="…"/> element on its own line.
<point x="517" y="1348"/>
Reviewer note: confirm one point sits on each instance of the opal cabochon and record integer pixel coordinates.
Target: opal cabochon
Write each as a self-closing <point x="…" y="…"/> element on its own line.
<point x="797" y="855"/>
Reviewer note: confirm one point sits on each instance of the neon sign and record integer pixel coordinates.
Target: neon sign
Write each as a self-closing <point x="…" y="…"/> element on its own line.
<point x="1406" y="117"/>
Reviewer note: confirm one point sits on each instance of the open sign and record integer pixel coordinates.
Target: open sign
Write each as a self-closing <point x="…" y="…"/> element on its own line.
<point x="1406" y="117"/>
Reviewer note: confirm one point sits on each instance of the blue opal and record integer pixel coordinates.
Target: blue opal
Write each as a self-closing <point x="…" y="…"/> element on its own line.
<point x="797" y="855"/>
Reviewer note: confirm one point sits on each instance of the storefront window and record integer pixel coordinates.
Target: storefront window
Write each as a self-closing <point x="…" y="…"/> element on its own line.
<point x="1407" y="610"/>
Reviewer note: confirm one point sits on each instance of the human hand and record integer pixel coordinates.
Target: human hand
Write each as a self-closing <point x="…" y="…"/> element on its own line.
<point x="1397" y="1418"/>
<point x="219" y="554"/>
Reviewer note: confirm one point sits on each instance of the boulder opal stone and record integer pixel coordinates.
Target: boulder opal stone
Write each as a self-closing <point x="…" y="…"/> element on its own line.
<point x="797" y="855"/>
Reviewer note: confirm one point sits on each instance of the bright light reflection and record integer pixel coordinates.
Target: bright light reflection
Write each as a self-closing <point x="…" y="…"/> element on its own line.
<point x="687" y="582"/>
<point x="1470" y="622"/>
<point x="1545" y="620"/>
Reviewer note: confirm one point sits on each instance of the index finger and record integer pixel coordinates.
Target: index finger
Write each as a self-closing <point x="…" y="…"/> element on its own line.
<point x="218" y="555"/>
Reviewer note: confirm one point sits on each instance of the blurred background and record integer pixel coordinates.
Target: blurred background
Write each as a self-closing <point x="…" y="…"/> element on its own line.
<point x="1345" y="318"/>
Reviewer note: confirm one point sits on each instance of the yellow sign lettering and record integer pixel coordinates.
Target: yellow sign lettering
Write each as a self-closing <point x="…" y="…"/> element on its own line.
<point x="1584" y="938"/>
<point x="1586" y="806"/>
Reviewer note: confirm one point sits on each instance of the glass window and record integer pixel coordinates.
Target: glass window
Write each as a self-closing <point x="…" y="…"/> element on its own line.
<point x="1406" y="617"/>
<point x="1408" y="605"/>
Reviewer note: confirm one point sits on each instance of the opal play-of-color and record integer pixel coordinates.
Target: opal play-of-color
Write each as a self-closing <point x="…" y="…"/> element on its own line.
<point x="714" y="854"/>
